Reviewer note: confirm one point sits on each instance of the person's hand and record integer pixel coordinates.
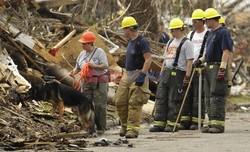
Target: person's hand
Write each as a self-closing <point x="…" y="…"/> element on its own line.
<point x="92" y="65"/>
<point x="140" y="79"/>
<point x="185" y="82"/>
<point x="197" y="63"/>
<point x="221" y="74"/>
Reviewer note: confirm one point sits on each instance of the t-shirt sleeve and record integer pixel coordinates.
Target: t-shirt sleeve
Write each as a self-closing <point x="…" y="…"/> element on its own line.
<point x="189" y="50"/>
<point x="226" y="41"/>
<point x="103" y="57"/>
<point x="144" y="46"/>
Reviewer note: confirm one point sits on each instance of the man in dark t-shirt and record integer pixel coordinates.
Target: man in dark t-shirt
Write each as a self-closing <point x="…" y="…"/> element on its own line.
<point x="218" y="47"/>
<point x="133" y="90"/>
<point x="164" y="38"/>
<point x="134" y="59"/>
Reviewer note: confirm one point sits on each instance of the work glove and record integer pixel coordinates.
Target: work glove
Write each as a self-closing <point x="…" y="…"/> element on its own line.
<point x="140" y="79"/>
<point x="221" y="74"/>
<point x="197" y="63"/>
<point x="185" y="82"/>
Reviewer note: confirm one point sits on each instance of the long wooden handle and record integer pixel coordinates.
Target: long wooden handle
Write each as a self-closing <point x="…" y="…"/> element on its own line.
<point x="184" y="99"/>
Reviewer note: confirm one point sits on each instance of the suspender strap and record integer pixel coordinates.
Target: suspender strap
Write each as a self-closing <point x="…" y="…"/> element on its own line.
<point x="192" y="35"/>
<point x="92" y="54"/>
<point x="203" y="44"/>
<point x="178" y="52"/>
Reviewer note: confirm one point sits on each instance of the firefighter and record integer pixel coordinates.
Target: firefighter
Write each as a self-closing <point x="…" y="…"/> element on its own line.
<point x="133" y="90"/>
<point x="189" y="118"/>
<point x="218" y="47"/>
<point x="177" y="68"/>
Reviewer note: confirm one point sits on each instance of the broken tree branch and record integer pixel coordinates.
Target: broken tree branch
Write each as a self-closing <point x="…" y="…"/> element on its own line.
<point x="118" y="18"/>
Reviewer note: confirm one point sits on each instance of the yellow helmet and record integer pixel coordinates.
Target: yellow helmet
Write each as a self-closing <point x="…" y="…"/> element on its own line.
<point x="198" y="14"/>
<point x="175" y="23"/>
<point x="222" y="21"/>
<point x="128" y="22"/>
<point x="211" y="13"/>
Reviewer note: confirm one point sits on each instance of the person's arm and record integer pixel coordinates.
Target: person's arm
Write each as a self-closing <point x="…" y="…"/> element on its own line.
<point x="189" y="53"/>
<point x="226" y="45"/>
<point x="148" y="61"/>
<point x="189" y="67"/>
<point x="162" y="66"/>
<point x="77" y="66"/>
<point x="98" y="67"/>
<point x="225" y="59"/>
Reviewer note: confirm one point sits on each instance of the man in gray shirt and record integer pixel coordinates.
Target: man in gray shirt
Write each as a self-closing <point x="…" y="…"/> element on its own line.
<point x="176" y="71"/>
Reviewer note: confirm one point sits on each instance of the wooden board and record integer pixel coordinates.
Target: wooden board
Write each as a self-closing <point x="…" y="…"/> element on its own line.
<point x="72" y="49"/>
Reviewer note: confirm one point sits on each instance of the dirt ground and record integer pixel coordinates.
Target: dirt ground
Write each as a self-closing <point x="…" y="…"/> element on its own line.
<point x="31" y="128"/>
<point x="235" y="138"/>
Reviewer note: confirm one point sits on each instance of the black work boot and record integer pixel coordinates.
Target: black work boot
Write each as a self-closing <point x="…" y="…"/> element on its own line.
<point x="216" y="130"/>
<point x="132" y="134"/>
<point x="156" y="129"/>
<point x="170" y="129"/>
<point x="100" y="132"/>
<point x="123" y="131"/>
<point x="184" y="126"/>
<point x="205" y="129"/>
<point x="193" y="127"/>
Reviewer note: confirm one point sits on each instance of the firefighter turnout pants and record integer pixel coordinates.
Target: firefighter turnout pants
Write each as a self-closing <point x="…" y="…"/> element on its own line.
<point x="190" y="108"/>
<point x="161" y="102"/>
<point x="215" y="96"/>
<point x="129" y="100"/>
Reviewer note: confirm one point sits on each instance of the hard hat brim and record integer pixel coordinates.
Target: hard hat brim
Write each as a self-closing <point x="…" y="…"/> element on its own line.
<point x="129" y="26"/>
<point x="211" y="17"/>
<point x="198" y="18"/>
<point x="85" y="42"/>
<point x="171" y="28"/>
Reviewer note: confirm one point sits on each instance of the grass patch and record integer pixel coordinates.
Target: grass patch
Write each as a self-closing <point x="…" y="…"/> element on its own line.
<point x="46" y="106"/>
